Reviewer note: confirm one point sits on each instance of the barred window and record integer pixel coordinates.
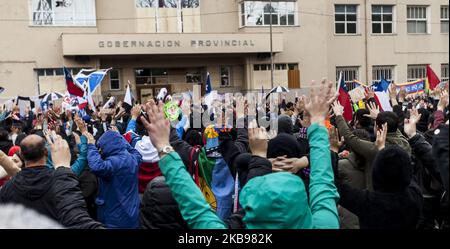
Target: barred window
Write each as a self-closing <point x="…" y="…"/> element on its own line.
<point x="417" y="20"/>
<point x="225" y="76"/>
<point x="62" y="12"/>
<point x="416" y="72"/>
<point x="345" y="19"/>
<point x="55" y="71"/>
<point x="444" y="19"/>
<point x="379" y="72"/>
<point x="260" y="13"/>
<point x="349" y="74"/>
<point x="278" y="66"/>
<point x="444" y="72"/>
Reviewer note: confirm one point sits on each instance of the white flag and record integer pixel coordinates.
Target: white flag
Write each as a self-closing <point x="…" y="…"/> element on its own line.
<point x="110" y="101"/>
<point x="128" y="98"/>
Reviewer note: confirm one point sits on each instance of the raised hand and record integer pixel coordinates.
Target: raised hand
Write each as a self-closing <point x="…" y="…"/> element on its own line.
<point x="90" y="138"/>
<point x="373" y="109"/>
<point x="136" y="111"/>
<point x="336" y="142"/>
<point x="60" y="150"/>
<point x="338" y="109"/>
<point x="257" y="137"/>
<point x="381" y="137"/>
<point x="157" y="126"/>
<point x="77" y="138"/>
<point x="80" y="123"/>
<point x="370" y="93"/>
<point x="443" y="100"/>
<point x="410" y="124"/>
<point x="320" y="101"/>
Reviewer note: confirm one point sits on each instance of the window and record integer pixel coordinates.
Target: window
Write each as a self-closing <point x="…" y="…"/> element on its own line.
<point x="151" y="76"/>
<point x="444" y="19"/>
<point x="114" y="79"/>
<point x="345" y="19"/>
<point x="379" y="72"/>
<point x="145" y="3"/>
<point x="444" y="72"/>
<point x="349" y="74"/>
<point x="416" y="72"/>
<point x="278" y="66"/>
<point x="382" y="19"/>
<point x="260" y="13"/>
<point x="164" y="20"/>
<point x="52" y="71"/>
<point x="62" y="12"/>
<point x="225" y="73"/>
<point x="417" y="19"/>
<point x="194" y="75"/>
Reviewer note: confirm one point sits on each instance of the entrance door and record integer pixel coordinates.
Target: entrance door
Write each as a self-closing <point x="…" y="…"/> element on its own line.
<point x="147" y="92"/>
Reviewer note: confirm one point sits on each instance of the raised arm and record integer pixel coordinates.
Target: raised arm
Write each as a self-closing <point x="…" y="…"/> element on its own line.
<point x="323" y="195"/>
<point x="422" y="149"/>
<point x="361" y="147"/>
<point x="69" y="202"/>
<point x="193" y="206"/>
<point x="81" y="162"/>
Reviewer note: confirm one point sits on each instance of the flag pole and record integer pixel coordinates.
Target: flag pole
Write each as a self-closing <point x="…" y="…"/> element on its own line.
<point x="271" y="47"/>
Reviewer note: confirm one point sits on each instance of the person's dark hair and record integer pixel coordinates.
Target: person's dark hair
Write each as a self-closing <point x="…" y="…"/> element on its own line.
<point x="33" y="152"/>
<point x="3" y="134"/>
<point x="362" y="134"/>
<point x="390" y="118"/>
<point x="363" y="121"/>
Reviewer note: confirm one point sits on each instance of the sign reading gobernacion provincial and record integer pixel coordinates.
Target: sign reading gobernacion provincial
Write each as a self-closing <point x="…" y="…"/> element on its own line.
<point x="123" y="44"/>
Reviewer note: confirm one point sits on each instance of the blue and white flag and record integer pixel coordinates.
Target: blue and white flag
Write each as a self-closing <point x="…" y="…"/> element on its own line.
<point x="208" y="88"/>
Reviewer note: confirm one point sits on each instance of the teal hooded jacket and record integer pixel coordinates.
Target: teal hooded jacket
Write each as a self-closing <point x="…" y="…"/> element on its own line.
<point x="273" y="201"/>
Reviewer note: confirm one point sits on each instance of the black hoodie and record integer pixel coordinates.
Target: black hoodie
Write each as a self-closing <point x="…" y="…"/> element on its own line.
<point x="396" y="201"/>
<point x="54" y="193"/>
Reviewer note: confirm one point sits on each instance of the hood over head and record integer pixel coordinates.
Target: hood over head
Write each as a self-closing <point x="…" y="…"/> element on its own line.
<point x="276" y="201"/>
<point x="285" y="124"/>
<point x="111" y="143"/>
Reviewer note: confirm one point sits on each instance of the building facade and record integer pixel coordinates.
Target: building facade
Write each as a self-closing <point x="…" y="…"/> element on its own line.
<point x="174" y="43"/>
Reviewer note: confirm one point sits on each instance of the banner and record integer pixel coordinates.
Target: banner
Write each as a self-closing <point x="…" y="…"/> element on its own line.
<point x="413" y="87"/>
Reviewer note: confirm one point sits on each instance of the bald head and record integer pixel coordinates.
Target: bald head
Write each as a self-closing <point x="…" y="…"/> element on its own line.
<point x="33" y="149"/>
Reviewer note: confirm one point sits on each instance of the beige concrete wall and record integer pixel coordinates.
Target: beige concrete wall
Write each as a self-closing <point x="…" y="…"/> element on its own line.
<point x="48" y="84"/>
<point x="312" y="44"/>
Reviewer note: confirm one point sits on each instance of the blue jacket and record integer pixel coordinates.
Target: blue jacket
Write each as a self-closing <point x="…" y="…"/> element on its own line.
<point x="117" y="170"/>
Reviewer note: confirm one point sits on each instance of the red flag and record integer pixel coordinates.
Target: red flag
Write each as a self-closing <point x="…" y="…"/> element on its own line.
<point x="433" y="79"/>
<point x="344" y="100"/>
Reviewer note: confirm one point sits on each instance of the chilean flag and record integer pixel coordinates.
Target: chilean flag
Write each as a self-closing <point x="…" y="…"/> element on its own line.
<point x="72" y="88"/>
<point x="344" y="99"/>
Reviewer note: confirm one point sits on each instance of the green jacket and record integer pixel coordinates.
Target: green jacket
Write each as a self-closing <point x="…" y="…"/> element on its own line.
<point x="368" y="149"/>
<point x="270" y="202"/>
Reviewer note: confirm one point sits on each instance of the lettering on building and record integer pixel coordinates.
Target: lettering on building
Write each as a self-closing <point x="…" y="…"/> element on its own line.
<point x="176" y="43"/>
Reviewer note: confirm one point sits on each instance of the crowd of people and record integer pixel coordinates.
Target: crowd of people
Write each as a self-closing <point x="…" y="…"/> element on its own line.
<point x="132" y="167"/>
